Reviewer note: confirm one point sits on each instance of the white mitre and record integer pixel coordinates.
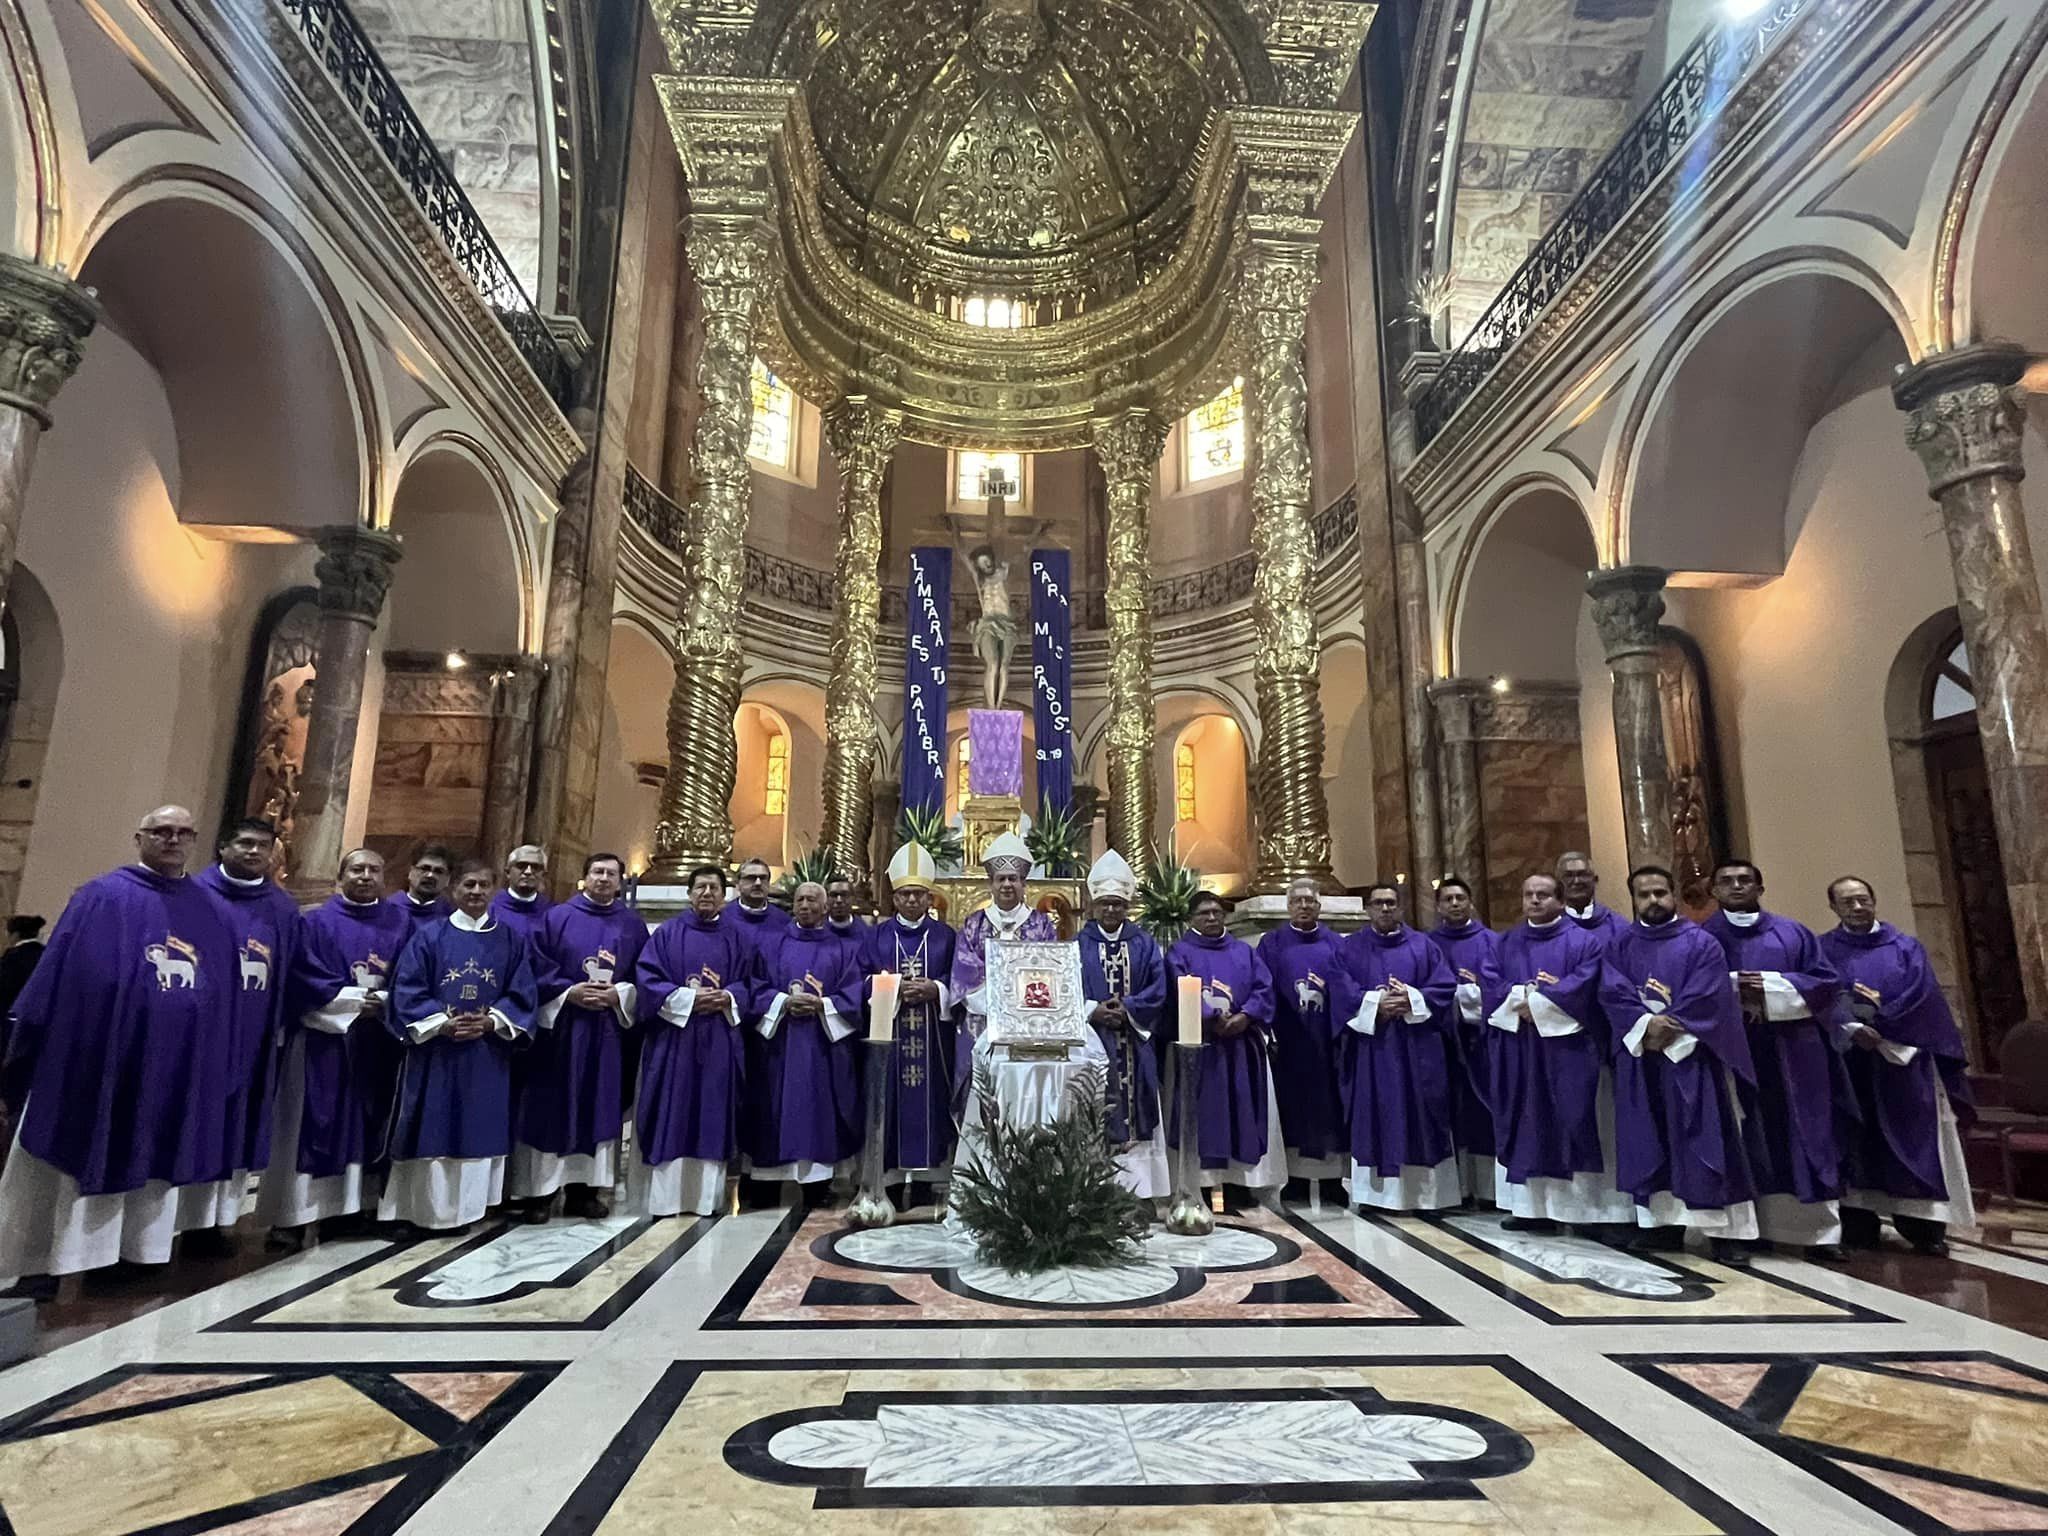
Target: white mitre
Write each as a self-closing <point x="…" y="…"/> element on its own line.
<point x="1006" y="851"/>
<point x="912" y="869"/>
<point x="1112" y="875"/>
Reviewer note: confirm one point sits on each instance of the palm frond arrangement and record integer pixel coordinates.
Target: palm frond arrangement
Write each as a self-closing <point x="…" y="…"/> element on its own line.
<point x="813" y="864"/>
<point x="926" y="826"/>
<point x="1046" y="1196"/>
<point x="1058" y="841"/>
<point x="1166" y="899"/>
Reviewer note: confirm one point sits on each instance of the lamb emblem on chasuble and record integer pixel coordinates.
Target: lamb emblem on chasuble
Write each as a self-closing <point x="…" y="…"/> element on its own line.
<point x="1309" y="993"/>
<point x="255" y="966"/>
<point x="598" y="968"/>
<point x="370" y="973"/>
<point x="179" y="969"/>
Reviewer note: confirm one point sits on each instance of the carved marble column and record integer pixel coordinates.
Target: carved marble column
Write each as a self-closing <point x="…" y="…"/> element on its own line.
<point x="724" y="131"/>
<point x="561" y="636"/>
<point x="1411" y="602"/>
<point x="1628" y="602"/>
<point x="1464" y="846"/>
<point x="1966" y="416"/>
<point x="1128" y="447"/>
<point x="862" y="437"/>
<point x="44" y="320"/>
<point x="354" y="571"/>
<point x="513" y="697"/>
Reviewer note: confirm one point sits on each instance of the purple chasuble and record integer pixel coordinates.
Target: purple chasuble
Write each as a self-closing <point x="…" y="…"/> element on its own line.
<point x="1233" y="1110"/>
<point x="754" y="926"/>
<point x="854" y="933"/>
<point x="1888" y="985"/>
<point x="265" y="925"/>
<point x="523" y="915"/>
<point x="1546" y="1089"/>
<point x="1471" y="950"/>
<point x="1801" y="1102"/>
<point x="1128" y="966"/>
<point x="569" y="1082"/>
<point x="920" y="1130"/>
<point x="126" y="1038"/>
<point x="970" y="970"/>
<point x="1604" y="923"/>
<point x="691" y="1074"/>
<point x="1675" y="1128"/>
<point x="1397" y="1080"/>
<point x="1302" y="966"/>
<point x="418" y="914"/>
<point x="343" y="1118"/>
<point x="455" y="1096"/>
<point x="802" y="1090"/>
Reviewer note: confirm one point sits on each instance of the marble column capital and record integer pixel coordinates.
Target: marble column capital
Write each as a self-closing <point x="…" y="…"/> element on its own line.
<point x="354" y="570"/>
<point x="1965" y="415"/>
<point x="518" y="682"/>
<point x="45" y="318"/>
<point x="1455" y="700"/>
<point x="1129" y="444"/>
<point x="1628" y="605"/>
<point x="862" y="436"/>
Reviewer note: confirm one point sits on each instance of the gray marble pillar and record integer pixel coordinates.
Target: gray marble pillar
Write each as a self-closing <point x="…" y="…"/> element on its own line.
<point x="1628" y="602"/>
<point x="354" y="571"/>
<point x="44" y="321"/>
<point x="1966" y="416"/>
<point x="513" y="694"/>
<point x="1464" y="818"/>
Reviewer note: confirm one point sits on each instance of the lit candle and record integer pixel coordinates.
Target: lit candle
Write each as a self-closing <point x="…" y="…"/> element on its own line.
<point x="882" y="1012"/>
<point x="1190" y="1010"/>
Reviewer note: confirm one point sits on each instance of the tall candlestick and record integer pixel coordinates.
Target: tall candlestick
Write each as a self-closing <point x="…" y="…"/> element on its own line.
<point x="882" y="1011"/>
<point x="1190" y="1010"/>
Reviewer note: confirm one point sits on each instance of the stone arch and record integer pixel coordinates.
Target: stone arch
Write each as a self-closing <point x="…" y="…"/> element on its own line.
<point x="32" y="184"/>
<point x="1222" y="830"/>
<point x="798" y="704"/>
<point x="465" y="581"/>
<point x="1986" y="270"/>
<point x="1530" y="550"/>
<point x="633" y="740"/>
<point x="35" y="667"/>
<point x="1705" y="468"/>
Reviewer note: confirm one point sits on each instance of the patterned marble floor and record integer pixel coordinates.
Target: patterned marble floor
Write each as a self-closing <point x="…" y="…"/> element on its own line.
<point x="772" y="1373"/>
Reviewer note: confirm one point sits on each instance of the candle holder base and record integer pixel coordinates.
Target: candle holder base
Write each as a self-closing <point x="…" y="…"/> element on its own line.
<point x="870" y="1210"/>
<point x="1190" y="1218"/>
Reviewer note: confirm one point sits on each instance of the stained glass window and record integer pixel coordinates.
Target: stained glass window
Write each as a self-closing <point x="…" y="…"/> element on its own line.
<point x="971" y="471"/>
<point x="1213" y="437"/>
<point x="775" y="800"/>
<point x="772" y="440"/>
<point x="1954" y="692"/>
<point x="1184" y="782"/>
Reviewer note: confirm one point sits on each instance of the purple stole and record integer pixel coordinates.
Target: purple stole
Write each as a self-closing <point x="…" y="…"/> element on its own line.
<point x="1233" y="1106"/>
<point x="1303" y="969"/>
<point x="920" y="1129"/>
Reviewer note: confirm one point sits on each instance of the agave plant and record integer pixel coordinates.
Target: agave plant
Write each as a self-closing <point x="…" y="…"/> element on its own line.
<point x="926" y="826"/>
<point x="1166" y="898"/>
<point x="1058" y="841"/>
<point x="813" y="864"/>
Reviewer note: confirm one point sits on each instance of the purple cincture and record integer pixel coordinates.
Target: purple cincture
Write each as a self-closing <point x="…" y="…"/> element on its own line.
<point x="1303" y="967"/>
<point x="1232" y="1110"/>
<point x="570" y="1081"/>
<point x="1397" y="1080"/>
<point x="691" y="1075"/>
<point x="347" y="1104"/>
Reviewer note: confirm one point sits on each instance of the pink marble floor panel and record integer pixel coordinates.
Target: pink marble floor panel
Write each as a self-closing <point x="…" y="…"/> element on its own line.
<point x="463" y="1393"/>
<point x="331" y="1516"/>
<point x="138" y="1390"/>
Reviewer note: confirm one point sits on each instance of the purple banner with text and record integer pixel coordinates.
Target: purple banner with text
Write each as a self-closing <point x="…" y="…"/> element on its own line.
<point x="1052" y="675"/>
<point x="924" y="678"/>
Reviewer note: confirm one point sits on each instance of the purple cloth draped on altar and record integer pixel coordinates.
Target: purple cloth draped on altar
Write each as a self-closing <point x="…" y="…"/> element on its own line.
<point x="802" y="1091"/>
<point x="570" y="1080"/>
<point x="1233" y="1111"/>
<point x="1675" y="1127"/>
<point x="920" y="1129"/>
<point x="1131" y="967"/>
<point x="1889" y="986"/>
<point x="1052" y="675"/>
<point x="1396" y="1081"/>
<point x="1545" y="1090"/>
<point x="691" y="1075"/>
<point x="928" y="620"/>
<point x="995" y="752"/>
<point x="455" y="1096"/>
<point x="1303" y="967"/>
<point x="1796" y="1111"/>
<point x="1471" y="951"/>
<point x="343" y="944"/>
<point x="125" y="1039"/>
<point x="264" y="922"/>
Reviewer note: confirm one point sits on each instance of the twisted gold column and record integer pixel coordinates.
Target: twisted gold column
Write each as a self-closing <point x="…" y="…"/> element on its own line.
<point x="1294" y="817"/>
<point x="862" y="438"/>
<point x="732" y="260"/>
<point x="1129" y="446"/>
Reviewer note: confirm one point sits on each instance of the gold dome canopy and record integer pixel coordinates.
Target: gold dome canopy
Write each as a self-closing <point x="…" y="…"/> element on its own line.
<point x="1103" y="162"/>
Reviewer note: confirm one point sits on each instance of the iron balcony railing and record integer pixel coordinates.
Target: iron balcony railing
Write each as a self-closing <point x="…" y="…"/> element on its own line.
<point x="337" y="39"/>
<point x="1689" y="100"/>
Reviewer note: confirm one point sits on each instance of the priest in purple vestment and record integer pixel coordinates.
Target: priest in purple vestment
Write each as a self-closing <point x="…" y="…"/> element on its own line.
<point x="125" y="1070"/>
<point x="696" y="979"/>
<point x="753" y="918"/>
<point x="1006" y="919"/>
<point x="568" y="1082"/>
<point x="522" y="901"/>
<point x="265" y="923"/>
<point x="462" y="1001"/>
<point x="1548" y="1072"/>
<point x="1581" y="884"/>
<point x="919" y="948"/>
<point x="803" y="1120"/>
<point x="329" y="1125"/>
<point x="1679" y="1054"/>
<point x="1793" y="1113"/>
<point x="1123" y="975"/>
<point x="847" y="927"/>
<point x="424" y="899"/>
<point x="1910" y="1076"/>
<point x="1469" y="948"/>
<point x="1301" y="959"/>
<point x="1398" y="1007"/>
<point x="1239" y="1118"/>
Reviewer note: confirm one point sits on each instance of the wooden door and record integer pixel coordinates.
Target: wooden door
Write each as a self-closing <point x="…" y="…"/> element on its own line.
<point x="1974" y="876"/>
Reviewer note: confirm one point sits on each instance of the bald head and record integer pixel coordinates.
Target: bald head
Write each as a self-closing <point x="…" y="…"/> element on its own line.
<point x="525" y="867"/>
<point x="164" y="839"/>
